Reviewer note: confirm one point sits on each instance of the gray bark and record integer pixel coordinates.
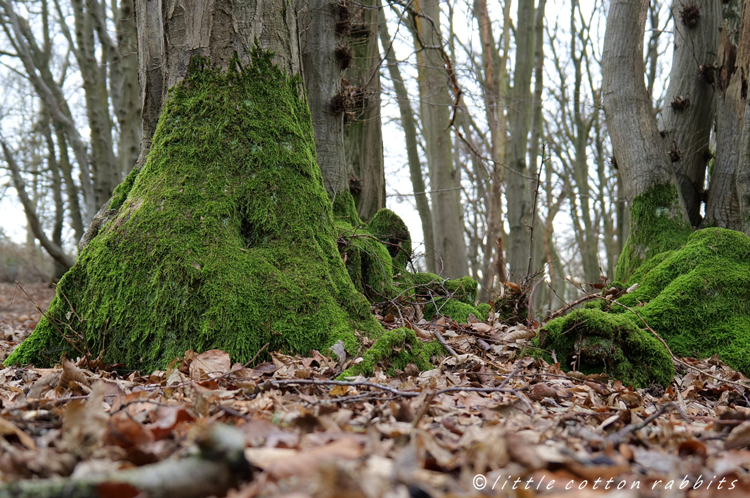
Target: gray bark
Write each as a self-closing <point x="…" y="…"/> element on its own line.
<point x="689" y="110"/>
<point x="105" y="172"/>
<point x="329" y="102"/>
<point x="409" y="127"/>
<point x="436" y="106"/>
<point x="636" y="144"/>
<point x="722" y="203"/>
<point x="363" y="136"/>
<point x="518" y="193"/>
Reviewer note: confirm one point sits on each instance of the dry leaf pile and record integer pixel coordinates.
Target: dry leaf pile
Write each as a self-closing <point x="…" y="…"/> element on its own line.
<point x="485" y="421"/>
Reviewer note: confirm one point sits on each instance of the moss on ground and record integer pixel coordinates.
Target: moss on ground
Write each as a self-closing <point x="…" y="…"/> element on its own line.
<point x="394" y="350"/>
<point x="697" y="298"/>
<point x="593" y="341"/>
<point x="225" y="239"/>
<point x="656" y="225"/>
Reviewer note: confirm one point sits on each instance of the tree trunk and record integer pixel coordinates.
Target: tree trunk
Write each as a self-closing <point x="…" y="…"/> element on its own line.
<point x="436" y="106"/>
<point x="688" y="115"/>
<point x="659" y="220"/>
<point x="731" y="81"/>
<point x="409" y="127"/>
<point x="518" y="194"/>
<point x="495" y="81"/>
<point x="225" y="237"/>
<point x="363" y="136"/>
<point x="329" y="102"/>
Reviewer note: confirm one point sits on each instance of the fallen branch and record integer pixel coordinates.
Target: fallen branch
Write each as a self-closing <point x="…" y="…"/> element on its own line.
<point x="220" y="466"/>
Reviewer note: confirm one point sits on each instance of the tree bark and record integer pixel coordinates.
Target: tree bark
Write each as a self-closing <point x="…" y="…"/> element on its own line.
<point x="328" y="101"/>
<point x="518" y="193"/>
<point x="659" y="220"/>
<point x="690" y="103"/>
<point x="731" y="81"/>
<point x="363" y="138"/>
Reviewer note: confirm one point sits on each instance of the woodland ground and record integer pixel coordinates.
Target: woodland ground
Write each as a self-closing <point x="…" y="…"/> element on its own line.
<point x="485" y="410"/>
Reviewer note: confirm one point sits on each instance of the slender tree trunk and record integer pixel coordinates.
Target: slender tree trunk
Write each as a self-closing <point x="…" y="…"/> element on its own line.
<point x="363" y="135"/>
<point x="436" y="107"/>
<point x="495" y="81"/>
<point x="409" y="127"/>
<point x="105" y="171"/>
<point x="518" y="193"/>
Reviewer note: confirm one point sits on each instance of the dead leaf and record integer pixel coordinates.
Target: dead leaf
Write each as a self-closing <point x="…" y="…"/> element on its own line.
<point x="212" y="363"/>
<point x="8" y="428"/>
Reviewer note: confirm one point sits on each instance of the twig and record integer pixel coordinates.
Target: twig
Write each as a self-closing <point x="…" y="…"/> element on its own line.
<point x="618" y="436"/>
<point x="440" y="339"/>
<point x="423" y="409"/>
<point x="533" y="211"/>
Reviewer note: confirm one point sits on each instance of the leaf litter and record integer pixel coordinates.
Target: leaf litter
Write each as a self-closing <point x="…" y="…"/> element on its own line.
<point x="486" y="421"/>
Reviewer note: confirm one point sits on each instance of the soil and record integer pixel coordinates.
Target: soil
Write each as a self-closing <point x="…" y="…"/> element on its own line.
<point x="18" y="314"/>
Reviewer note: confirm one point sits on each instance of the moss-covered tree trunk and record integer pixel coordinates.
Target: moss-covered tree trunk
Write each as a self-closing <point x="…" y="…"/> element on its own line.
<point x="223" y="236"/>
<point x="659" y="221"/>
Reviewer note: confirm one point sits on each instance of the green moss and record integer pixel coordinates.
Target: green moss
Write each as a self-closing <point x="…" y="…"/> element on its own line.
<point x="389" y="228"/>
<point x="697" y="298"/>
<point x="457" y="310"/>
<point x="123" y="190"/>
<point x="344" y="209"/>
<point x="595" y="341"/>
<point x="656" y="225"/>
<point x="429" y="285"/>
<point x="484" y="309"/>
<point x="394" y="350"/>
<point x="368" y="262"/>
<point x="225" y="239"/>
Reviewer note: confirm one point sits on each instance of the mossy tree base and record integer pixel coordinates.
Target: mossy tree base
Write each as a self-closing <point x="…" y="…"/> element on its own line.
<point x="224" y="239"/>
<point x="697" y="298"/>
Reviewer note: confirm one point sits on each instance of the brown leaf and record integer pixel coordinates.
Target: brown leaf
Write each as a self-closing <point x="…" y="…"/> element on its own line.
<point x="541" y="391"/>
<point x="167" y="418"/>
<point x="286" y="463"/>
<point x="71" y="373"/>
<point x="739" y="437"/>
<point x="213" y="362"/>
<point x="8" y="428"/>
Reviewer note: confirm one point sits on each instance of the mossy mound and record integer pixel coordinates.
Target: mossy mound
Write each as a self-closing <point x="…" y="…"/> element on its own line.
<point x="391" y="230"/>
<point x="697" y="298"/>
<point x="595" y="342"/>
<point x="394" y="350"/>
<point x="454" y="298"/>
<point x="225" y="239"/>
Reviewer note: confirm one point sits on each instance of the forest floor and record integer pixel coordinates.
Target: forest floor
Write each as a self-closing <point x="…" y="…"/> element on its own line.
<point x="484" y="422"/>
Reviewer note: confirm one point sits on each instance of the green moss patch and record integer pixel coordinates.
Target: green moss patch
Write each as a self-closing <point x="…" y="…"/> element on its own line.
<point x="394" y="350"/>
<point x="697" y="298"/>
<point x="656" y="226"/>
<point x="225" y="239"/>
<point x="592" y="341"/>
